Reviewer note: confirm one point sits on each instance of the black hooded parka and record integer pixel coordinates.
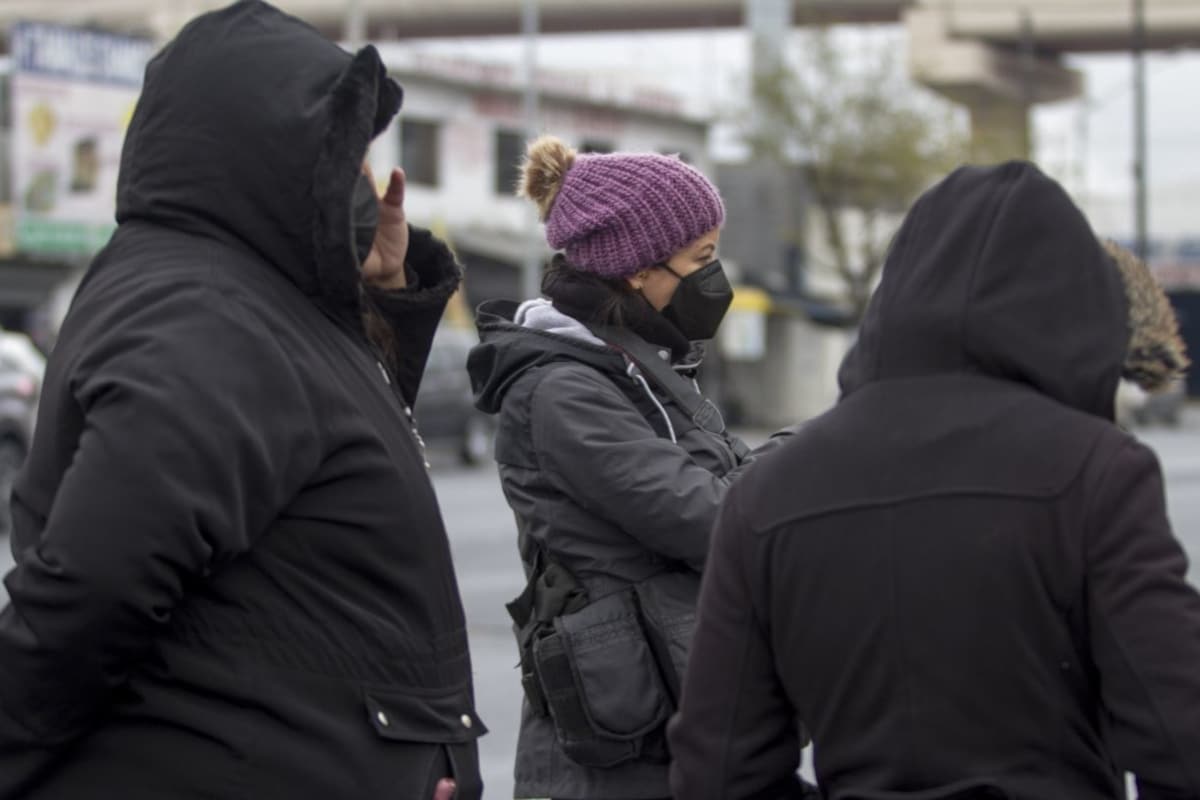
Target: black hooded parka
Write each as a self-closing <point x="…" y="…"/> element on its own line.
<point x="233" y="579"/>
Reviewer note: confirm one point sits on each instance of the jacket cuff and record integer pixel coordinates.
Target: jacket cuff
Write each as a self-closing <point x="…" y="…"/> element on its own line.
<point x="437" y="275"/>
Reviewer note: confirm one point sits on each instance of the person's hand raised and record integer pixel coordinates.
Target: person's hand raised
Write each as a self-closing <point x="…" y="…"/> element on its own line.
<point x="384" y="267"/>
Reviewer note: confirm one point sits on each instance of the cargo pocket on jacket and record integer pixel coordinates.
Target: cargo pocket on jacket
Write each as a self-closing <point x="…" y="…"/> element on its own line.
<point x="448" y="720"/>
<point x="601" y="682"/>
<point x="668" y="605"/>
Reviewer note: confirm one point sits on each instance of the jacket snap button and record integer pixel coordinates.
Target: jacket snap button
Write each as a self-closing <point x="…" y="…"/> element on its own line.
<point x="467" y="721"/>
<point x="382" y="717"/>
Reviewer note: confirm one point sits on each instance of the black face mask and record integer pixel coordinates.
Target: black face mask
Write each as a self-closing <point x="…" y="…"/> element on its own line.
<point x="364" y="216"/>
<point x="700" y="301"/>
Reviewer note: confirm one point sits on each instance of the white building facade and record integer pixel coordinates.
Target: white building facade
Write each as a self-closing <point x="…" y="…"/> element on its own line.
<point x="460" y="138"/>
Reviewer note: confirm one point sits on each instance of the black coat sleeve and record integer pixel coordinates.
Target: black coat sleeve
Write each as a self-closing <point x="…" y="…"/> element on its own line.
<point x="195" y="433"/>
<point x="594" y="443"/>
<point x="736" y="734"/>
<point x="1144" y="621"/>
<point x="413" y="313"/>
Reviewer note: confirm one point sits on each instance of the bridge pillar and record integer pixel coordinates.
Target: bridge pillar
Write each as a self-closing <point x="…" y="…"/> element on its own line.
<point x="997" y="85"/>
<point x="1000" y="129"/>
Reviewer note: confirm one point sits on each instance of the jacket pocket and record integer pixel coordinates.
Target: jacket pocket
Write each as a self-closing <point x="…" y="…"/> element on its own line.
<point x="668" y="604"/>
<point x="431" y="719"/>
<point x="445" y="723"/>
<point x="601" y="682"/>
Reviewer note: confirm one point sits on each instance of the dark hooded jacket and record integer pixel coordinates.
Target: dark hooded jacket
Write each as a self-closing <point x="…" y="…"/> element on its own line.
<point x="232" y="576"/>
<point x="963" y="575"/>
<point x="606" y="478"/>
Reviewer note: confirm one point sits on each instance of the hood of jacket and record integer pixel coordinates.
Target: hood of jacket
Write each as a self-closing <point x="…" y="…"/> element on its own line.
<point x="507" y="350"/>
<point x="996" y="271"/>
<point x="251" y="128"/>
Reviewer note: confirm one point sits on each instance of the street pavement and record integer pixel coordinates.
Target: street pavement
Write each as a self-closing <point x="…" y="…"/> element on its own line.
<point x="483" y="538"/>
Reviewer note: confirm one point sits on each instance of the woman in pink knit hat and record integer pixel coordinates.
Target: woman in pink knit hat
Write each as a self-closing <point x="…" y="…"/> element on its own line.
<point x="612" y="460"/>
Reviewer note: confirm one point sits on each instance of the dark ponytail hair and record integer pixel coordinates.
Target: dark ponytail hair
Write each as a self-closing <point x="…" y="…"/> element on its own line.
<point x="589" y="297"/>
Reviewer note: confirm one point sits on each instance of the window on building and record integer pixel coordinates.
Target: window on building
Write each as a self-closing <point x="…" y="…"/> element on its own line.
<point x="420" y="151"/>
<point x="595" y="146"/>
<point x="510" y="147"/>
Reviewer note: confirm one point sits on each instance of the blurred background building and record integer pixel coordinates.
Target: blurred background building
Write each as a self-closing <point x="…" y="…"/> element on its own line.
<point x="461" y="136"/>
<point x="745" y="89"/>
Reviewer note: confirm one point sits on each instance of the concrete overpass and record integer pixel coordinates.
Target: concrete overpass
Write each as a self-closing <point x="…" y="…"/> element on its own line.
<point x="996" y="57"/>
<point x="389" y="19"/>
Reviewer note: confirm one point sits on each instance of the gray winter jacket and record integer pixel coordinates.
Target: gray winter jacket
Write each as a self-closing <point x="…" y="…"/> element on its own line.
<point x="610" y="480"/>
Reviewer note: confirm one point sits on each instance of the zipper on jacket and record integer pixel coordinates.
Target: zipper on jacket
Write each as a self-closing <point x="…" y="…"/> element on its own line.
<point x="361" y="340"/>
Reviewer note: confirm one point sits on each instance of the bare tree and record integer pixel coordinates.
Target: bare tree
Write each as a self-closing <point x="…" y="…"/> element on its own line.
<point x="869" y="144"/>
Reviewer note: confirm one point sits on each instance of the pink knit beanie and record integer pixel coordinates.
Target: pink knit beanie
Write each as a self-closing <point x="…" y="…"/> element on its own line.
<point x="614" y="214"/>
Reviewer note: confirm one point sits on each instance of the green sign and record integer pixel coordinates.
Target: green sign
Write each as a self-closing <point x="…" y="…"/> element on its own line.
<point x="59" y="237"/>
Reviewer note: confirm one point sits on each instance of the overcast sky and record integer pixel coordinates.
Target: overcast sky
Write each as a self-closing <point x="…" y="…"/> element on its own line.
<point x="1085" y="143"/>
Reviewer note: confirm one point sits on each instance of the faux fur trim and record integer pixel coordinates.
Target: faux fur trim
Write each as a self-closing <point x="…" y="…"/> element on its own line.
<point x="438" y="274"/>
<point x="361" y="104"/>
<point x="1156" y="355"/>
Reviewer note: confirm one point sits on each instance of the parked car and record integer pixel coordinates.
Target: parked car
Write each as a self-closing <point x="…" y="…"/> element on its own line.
<point x="1136" y="407"/>
<point x="22" y="367"/>
<point x="445" y="411"/>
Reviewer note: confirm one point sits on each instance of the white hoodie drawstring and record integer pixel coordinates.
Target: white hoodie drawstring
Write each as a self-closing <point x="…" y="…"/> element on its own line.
<point x="632" y="371"/>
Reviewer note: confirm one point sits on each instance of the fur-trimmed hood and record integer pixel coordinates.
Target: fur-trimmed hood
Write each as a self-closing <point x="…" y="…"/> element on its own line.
<point x="269" y="164"/>
<point x="1156" y="354"/>
<point x="996" y="271"/>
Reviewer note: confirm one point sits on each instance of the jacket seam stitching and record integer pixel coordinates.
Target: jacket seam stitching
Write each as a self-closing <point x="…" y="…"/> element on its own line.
<point x="898" y="628"/>
<point x="592" y="375"/>
<point x="997" y="206"/>
<point x="741" y="672"/>
<point x="891" y="502"/>
<point x="1103" y="620"/>
<point x="1153" y="706"/>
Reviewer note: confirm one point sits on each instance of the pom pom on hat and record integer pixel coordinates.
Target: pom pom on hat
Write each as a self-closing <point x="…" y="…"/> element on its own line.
<point x="546" y="163"/>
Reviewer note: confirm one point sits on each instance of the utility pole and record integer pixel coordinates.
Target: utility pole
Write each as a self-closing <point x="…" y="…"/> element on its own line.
<point x="1083" y="135"/>
<point x="1139" y="128"/>
<point x="356" y="25"/>
<point x="1028" y="78"/>
<point x="531" y="270"/>
<point x="769" y="22"/>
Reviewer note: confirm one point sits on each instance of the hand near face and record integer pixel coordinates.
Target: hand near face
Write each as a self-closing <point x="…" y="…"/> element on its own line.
<point x="384" y="267"/>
